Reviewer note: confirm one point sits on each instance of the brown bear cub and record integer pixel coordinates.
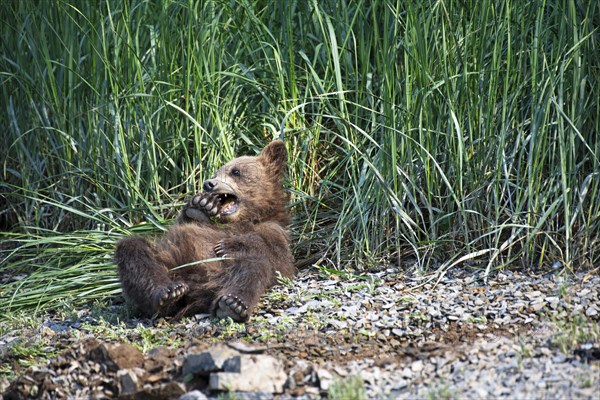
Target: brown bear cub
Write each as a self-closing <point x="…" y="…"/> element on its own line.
<point x="225" y="250"/>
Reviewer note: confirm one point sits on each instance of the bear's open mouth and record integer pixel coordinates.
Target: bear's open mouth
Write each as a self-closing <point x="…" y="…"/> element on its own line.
<point x="228" y="204"/>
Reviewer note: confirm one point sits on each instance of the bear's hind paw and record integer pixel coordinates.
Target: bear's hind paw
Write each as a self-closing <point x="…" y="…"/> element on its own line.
<point x="232" y="307"/>
<point x="169" y="294"/>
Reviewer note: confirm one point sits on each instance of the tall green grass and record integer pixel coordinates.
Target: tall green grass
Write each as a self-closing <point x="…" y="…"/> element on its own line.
<point x="442" y="131"/>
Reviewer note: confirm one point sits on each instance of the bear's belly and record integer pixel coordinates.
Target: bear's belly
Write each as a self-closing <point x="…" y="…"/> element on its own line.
<point x="188" y="244"/>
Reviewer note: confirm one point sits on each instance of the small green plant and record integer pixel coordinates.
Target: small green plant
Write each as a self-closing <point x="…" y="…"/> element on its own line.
<point x="587" y="377"/>
<point x="367" y="333"/>
<point x="313" y="320"/>
<point x="28" y="354"/>
<point x="573" y="332"/>
<point x="477" y="320"/>
<point x="100" y="309"/>
<point x="349" y="388"/>
<point x="151" y="337"/>
<point x="276" y="296"/>
<point x="229" y="328"/>
<point x="228" y="396"/>
<point x="417" y="317"/>
<point x="20" y="320"/>
<point x="442" y="391"/>
<point x="267" y="331"/>
<point x="563" y="288"/>
<point x="284" y="281"/>
<point x="523" y="353"/>
<point x="7" y="372"/>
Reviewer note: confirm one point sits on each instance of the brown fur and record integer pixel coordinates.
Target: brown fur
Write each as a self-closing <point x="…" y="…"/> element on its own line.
<point x="252" y="243"/>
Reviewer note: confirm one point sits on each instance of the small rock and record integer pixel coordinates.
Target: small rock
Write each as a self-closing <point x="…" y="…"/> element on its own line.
<point x="518" y="305"/>
<point x="399" y="383"/>
<point x="337" y="324"/>
<point x="433" y="312"/>
<point x="47" y="332"/>
<point x="559" y="358"/>
<point x="537" y="306"/>
<point x="351" y="310"/>
<point x="398" y="332"/>
<point x="128" y="381"/>
<point x="325" y="379"/>
<point x="417" y="366"/>
<point x="533" y="295"/>
<point x="591" y="311"/>
<point x="168" y="390"/>
<point x="193" y="395"/>
<point x="251" y="396"/>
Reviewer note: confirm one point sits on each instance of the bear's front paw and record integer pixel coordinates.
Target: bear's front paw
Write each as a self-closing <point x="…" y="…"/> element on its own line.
<point x="167" y="295"/>
<point x="195" y="215"/>
<point x="206" y="202"/>
<point x="232" y="307"/>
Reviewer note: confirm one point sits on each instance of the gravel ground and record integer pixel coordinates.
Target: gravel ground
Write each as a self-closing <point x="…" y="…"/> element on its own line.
<point x="517" y="336"/>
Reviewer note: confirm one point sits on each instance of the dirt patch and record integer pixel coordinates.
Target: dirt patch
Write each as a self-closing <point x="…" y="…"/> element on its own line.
<point x="403" y="339"/>
<point x="95" y="368"/>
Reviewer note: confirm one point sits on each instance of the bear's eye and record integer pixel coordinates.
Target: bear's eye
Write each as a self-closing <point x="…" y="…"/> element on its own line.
<point x="235" y="172"/>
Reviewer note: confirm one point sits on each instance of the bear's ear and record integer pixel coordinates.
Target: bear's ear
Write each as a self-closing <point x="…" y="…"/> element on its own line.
<point x="275" y="156"/>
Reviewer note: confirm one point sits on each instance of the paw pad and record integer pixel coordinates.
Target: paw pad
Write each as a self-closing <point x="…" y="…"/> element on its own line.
<point x="233" y="307"/>
<point x="170" y="294"/>
<point x="205" y="202"/>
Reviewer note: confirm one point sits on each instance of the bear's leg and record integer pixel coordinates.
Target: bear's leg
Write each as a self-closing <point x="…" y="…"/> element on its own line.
<point x="249" y="274"/>
<point x="144" y="280"/>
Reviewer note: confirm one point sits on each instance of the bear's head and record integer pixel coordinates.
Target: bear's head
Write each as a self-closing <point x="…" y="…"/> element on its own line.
<point x="250" y="189"/>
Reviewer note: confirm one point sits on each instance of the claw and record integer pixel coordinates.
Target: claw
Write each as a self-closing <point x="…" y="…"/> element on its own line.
<point x="218" y="249"/>
<point x="168" y="294"/>
<point x="233" y="307"/>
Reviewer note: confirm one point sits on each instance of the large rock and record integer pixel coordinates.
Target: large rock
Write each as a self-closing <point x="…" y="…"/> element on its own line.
<point x="250" y="373"/>
<point x="117" y="356"/>
<point x="129" y="380"/>
<point x="209" y="361"/>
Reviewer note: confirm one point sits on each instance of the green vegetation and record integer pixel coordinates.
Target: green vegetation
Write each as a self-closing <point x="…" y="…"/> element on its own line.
<point x="27" y="354"/>
<point x="349" y="388"/>
<point x="442" y="391"/>
<point x="444" y="131"/>
<point x="574" y="332"/>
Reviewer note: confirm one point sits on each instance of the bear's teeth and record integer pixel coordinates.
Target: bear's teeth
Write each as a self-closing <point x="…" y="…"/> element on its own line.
<point x="229" y="208"/>
<point x="228" y="204"/>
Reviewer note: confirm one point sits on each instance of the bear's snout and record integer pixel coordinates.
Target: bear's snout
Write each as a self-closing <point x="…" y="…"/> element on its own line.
<point x="209" y="185"/>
